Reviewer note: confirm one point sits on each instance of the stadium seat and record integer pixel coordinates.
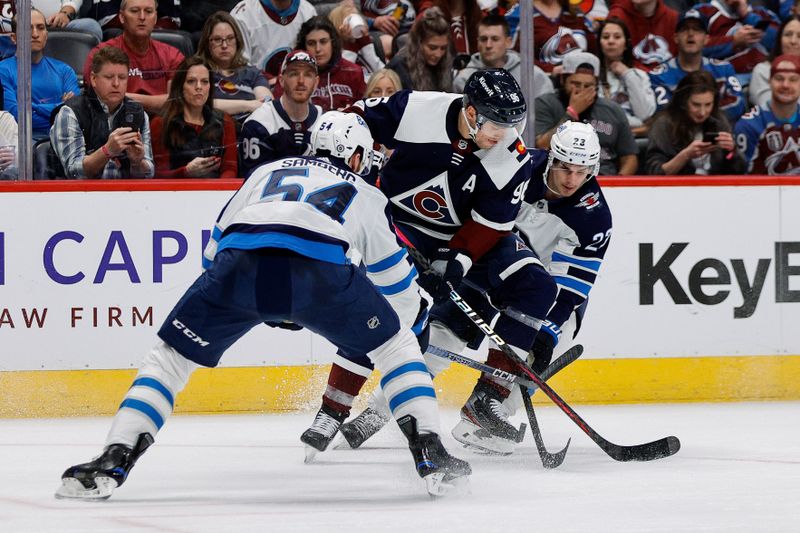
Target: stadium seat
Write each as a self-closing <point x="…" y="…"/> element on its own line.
<point x="71" y="47"/>
<point x="179" y="39"/>
<point x="42" y="161"/>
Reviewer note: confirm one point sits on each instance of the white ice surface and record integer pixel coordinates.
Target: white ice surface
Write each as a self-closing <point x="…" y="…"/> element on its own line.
<point x="738" y="471"/>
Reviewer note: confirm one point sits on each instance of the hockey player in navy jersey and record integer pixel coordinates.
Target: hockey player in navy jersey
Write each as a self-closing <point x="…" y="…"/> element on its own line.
<point x="566" y="220"/>
<point x="281" y="253"/>
<point x="455" y="182"/>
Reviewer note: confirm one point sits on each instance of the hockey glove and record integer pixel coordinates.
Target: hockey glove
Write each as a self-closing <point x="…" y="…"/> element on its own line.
<point x="542" y="351"/>
<point x="448" y="266"/>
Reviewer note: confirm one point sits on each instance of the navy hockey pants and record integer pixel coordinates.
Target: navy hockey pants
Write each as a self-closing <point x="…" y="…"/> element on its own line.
<point x="244" y="288"/>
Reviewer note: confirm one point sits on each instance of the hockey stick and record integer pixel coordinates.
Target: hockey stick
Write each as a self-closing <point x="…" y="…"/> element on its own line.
<point x="549" y="460"/>
<point x="556" y="366"/>
<point x="649" y="451"/>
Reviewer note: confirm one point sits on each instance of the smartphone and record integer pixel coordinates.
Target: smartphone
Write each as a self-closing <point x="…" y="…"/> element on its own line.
<point x="212" y="151"/>
<point x="762" y="25"/>
<point x="710" y="136"/>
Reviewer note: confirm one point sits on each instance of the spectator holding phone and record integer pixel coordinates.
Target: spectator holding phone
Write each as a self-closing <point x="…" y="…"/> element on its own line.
<point x="191" y="139"/>
<point x="103" y="133"/>
<point x="739" y="33"/>
<point x="768" y="136"/>
<point x="692" y="135"/>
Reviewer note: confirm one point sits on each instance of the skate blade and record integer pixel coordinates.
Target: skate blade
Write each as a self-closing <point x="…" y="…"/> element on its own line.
<point x="311" y="454"/>
<point x="439" y="485"/>
<point x="72" y="489"/>
<point x="477" y="439"/>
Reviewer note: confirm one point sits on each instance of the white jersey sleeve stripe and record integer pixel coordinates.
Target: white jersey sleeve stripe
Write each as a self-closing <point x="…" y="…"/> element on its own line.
<point x="400" y="286"/>
<point x="387" y="263"/>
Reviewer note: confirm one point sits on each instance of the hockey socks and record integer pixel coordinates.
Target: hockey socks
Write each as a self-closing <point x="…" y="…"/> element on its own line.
<point x="343" y="387"/>
<point x="406" y="382"/>
<point x="150" y="400"/>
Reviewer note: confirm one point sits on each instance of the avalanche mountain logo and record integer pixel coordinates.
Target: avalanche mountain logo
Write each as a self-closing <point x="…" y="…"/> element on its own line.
<point x="431" y="201"/>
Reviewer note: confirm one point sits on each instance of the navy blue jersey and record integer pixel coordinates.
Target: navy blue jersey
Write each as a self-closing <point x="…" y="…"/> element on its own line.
<point x="435" y="179"/>
<point x="269" y="134"/>
<point x="570" y="236"/>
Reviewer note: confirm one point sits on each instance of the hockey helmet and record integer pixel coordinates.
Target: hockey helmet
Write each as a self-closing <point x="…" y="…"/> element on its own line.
<point x="340" y="135"/>
<point x="575" y="143"/>
<point x="496" y="96"/>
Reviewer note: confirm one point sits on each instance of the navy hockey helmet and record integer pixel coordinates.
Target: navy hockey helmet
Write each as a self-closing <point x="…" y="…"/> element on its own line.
<point x="496" y="96"/>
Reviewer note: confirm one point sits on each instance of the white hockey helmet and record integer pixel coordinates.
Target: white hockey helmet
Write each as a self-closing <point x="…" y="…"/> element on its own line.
<point x="575" y="143"/>
<point x="340" y="135"/>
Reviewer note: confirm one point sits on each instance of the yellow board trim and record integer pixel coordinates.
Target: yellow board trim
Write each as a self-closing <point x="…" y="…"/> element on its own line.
<point x="25" y="394"/>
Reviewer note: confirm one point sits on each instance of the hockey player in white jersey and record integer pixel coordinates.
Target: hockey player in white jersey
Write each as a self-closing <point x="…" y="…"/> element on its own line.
<point x="281" y="253"/>
<point x="566" y="220"/>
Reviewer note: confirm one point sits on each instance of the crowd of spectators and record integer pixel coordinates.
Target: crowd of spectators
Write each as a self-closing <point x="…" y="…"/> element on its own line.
<point x="670" y="86"/>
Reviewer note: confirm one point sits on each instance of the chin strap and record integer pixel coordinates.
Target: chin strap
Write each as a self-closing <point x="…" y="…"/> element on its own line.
<point x="473" y="131"/>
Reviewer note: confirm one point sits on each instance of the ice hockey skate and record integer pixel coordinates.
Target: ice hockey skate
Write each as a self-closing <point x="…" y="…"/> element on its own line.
<point x="443" y="474"/>
<point x="484" y="425"/>
<point x="97" y="480"/>
<point x="321" y="433"/>
<point x="361" y="428"/>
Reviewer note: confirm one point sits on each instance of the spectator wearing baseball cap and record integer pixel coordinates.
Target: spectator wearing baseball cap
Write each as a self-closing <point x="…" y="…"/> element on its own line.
<point x="768" y="136"/>
<point x="341" y="82"/>
<point x="788" y="42"/>
<point x="691" y="36"/>
<point x="281" y="127"/>
<point x="577" y="99"/>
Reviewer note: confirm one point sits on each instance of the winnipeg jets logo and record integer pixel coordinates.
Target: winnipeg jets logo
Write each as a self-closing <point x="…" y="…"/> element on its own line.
<point x="590" y="200"/>
<point x="652" y="50"/>
<point x="373" y="322"/>
<point x="430" y="201"/>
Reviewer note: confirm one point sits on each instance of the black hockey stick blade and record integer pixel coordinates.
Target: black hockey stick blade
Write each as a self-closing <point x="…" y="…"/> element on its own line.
<point x="658" y="449"/>
<point x="549" y="460"/>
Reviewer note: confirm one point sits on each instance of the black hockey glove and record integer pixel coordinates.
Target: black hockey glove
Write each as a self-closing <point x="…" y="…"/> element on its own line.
<point x="542" y="351"/>
<point x="448" y="265"/>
